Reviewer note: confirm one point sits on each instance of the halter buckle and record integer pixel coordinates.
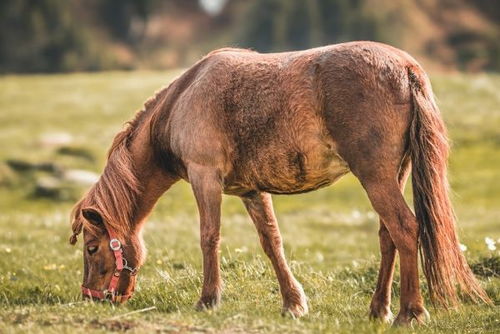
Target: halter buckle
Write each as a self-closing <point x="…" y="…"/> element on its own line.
<point x="115" y="244"/>
<point x="133" y="271"/>
<point x="108" y="295"/>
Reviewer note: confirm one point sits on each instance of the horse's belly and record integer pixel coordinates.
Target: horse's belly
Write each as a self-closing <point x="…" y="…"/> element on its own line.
<point x="315" y="177"/>
<point x="301" y="172"/>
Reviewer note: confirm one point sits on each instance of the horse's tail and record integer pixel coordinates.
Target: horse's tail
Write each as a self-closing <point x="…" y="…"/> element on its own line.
<point x="444" y="265"/>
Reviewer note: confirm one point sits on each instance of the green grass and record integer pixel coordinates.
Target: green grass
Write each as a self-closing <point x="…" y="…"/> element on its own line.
<point x="330" y="235"/>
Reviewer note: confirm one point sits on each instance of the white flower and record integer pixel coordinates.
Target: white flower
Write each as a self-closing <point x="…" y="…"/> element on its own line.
<point x="241" y="250"/>
<point x="463" y="248"/>
<point x="490" y="243"/>
<point x="319" y="257"/>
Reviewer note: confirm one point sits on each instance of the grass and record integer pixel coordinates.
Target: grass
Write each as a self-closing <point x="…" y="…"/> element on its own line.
<point x="330" y="235"/>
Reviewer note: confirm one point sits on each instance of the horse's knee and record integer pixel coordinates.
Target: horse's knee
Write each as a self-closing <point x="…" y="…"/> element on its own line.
<point x="270" y="245"/>
<point x="210" y="242"/>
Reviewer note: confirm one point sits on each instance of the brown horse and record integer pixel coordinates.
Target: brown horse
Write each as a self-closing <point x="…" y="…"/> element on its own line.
<point x="250" y="124"/>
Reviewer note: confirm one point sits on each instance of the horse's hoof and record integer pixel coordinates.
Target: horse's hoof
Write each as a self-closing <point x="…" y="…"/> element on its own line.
<point x="295" y="303"/>
<point x="410" y="315"/>
<point x="207" y="303"/>
<point x="295" y="311"/>
<point x="383" y="315"/>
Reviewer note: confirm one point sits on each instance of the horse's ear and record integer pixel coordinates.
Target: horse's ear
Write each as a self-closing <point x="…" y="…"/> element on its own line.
<point x="77" y="224"/>
<point x="93" y="216"/>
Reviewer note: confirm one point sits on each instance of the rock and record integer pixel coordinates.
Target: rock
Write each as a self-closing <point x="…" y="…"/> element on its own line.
<point x="56" y="139"/>
<point x="81" y="177"/>
<point x="26" y="166"/>
<point x="75" y="151"/>
<point x="7" y="176"/>
<point x="48" y="186"/>
<point x="19" y="165"/>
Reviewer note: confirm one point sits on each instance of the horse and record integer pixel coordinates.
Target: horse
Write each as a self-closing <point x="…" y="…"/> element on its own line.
<point x="250" y="124"/>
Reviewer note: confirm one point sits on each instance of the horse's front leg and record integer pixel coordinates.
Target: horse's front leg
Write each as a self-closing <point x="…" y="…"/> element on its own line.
<point x="260" y="208"/>
<point x="208" y="192"/>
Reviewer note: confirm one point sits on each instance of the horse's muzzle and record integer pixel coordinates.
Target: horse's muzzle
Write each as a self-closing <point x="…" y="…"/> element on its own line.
<point x="105" y="295"/>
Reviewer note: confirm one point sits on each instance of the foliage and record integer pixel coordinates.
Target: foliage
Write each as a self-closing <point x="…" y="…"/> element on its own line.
<point x="53" y="36"/>
<point x="89" y="35"/>
<point x="280" y="25"/>
<point x="38" y="35"/>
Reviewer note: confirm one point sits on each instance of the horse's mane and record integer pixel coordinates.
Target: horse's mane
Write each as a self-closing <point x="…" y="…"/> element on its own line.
<point x="115" y="195"/>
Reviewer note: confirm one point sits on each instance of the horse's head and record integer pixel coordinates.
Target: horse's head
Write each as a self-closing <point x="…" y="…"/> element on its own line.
<point x="111" y="259"/>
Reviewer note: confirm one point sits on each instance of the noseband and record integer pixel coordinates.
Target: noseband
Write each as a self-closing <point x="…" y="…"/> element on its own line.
<point x="121" y="264"/>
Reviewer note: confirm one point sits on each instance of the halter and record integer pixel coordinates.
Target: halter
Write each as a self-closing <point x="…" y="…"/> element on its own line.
<point x="120" y="264"/>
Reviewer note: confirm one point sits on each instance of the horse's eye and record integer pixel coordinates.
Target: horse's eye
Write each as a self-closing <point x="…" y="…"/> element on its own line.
<point x="92" y="249"/>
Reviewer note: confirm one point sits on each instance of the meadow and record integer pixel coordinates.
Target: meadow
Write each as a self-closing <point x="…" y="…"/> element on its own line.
<point x="54" y="123"/>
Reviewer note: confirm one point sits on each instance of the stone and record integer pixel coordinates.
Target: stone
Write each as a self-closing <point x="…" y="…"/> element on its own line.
<point x="80" y="177"/>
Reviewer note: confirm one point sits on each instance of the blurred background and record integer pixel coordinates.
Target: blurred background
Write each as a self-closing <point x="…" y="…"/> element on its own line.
<point x="94" y="35"/>
<point x="73" y="71"/>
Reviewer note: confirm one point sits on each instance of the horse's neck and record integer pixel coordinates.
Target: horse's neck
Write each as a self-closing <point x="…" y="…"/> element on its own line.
<point x="154" y="181"/>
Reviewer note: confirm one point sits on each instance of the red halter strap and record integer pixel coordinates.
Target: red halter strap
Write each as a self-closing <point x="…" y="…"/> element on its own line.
<point x="120" y="263"/>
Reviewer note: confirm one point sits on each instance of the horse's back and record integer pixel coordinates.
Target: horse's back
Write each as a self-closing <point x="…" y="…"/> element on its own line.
<point x="273" y="122"/>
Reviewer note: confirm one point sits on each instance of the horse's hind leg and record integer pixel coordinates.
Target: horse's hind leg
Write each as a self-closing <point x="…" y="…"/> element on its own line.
<point x="386" y="198"/>
<point x="260" y="208"/>
<point x="208" y="192"/>
<point x="380" y="307"/>
<point x="381" y="300"/>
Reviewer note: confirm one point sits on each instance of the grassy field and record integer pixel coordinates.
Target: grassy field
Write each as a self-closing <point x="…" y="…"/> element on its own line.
<point x="330" y="235"/>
